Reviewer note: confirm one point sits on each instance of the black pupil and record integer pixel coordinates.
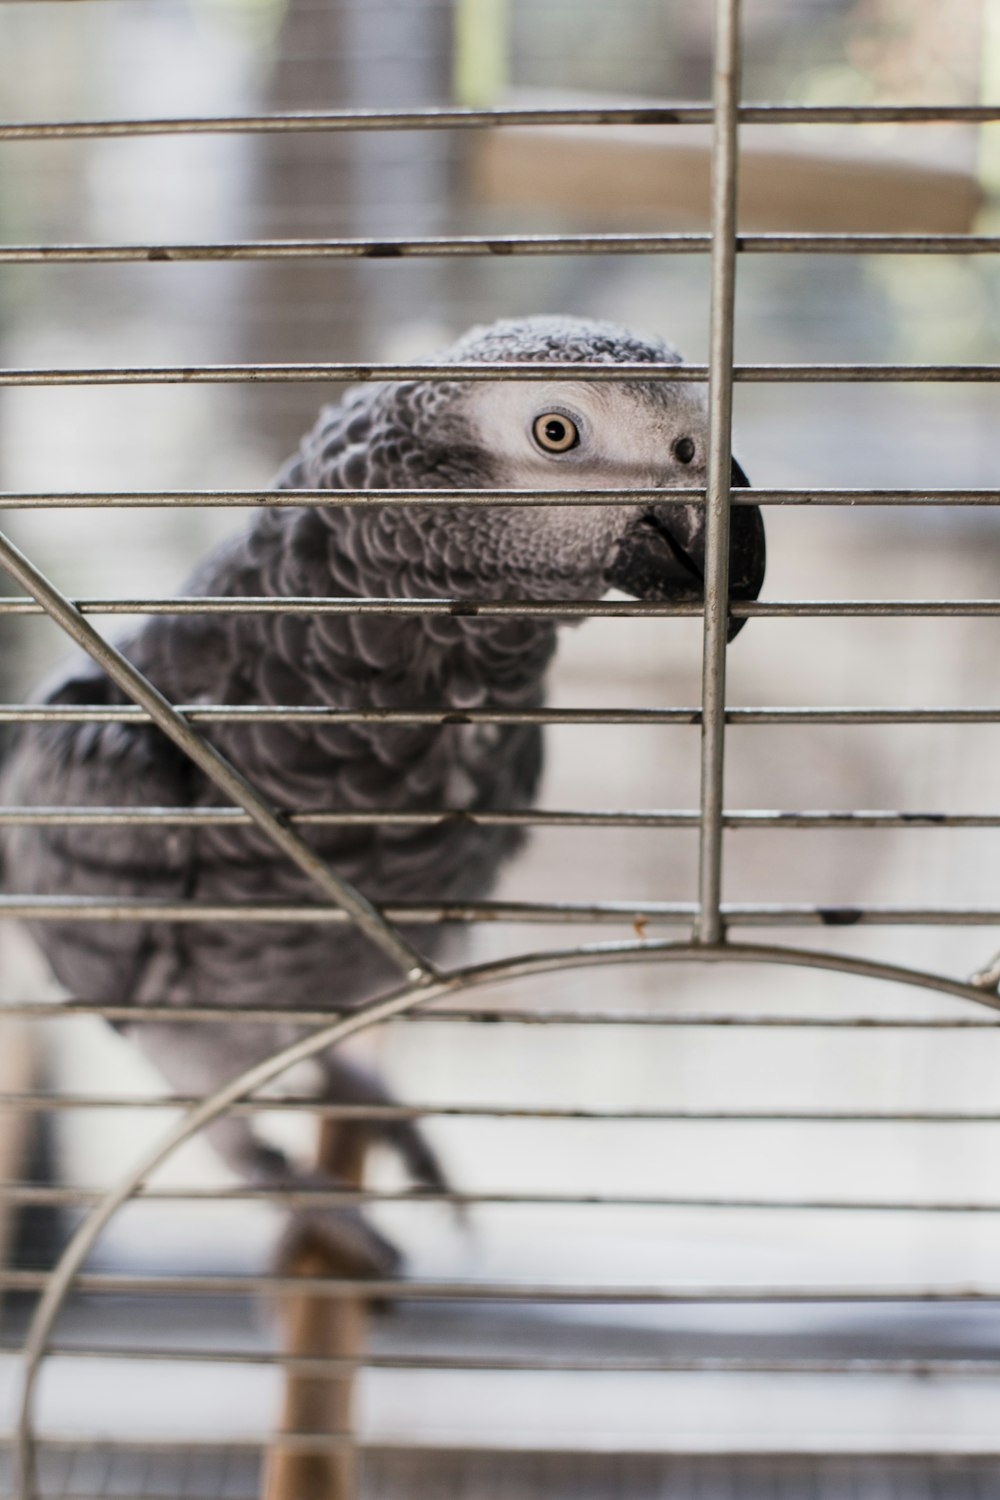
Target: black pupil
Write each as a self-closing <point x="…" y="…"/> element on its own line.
<point x="555" y="430"/>
<point x="684" y="449"/>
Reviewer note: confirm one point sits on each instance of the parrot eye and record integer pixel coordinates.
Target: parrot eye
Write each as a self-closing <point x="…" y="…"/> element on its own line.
<point x="554" y="432"/>
<point x="684" y="450"/>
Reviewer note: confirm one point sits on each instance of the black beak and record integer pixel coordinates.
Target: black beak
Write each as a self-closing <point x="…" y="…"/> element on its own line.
<point x="662" y="554"/>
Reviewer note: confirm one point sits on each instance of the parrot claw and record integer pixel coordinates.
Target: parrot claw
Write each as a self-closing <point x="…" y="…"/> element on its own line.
<point x="334" y="1242"/>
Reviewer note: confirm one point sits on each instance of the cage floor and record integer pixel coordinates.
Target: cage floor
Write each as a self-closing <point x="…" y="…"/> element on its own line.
<point x="566" y="1476"/>
<point x="402" y="1474"/>
<point x="186" y="1466"/>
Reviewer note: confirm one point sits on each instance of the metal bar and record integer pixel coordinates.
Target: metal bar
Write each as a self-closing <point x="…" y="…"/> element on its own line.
<point x="451" y="246"/>
<point x="82" y="1197"/>
<point x="253" y="714"/>
<point x="142" y="499"/>
<point x="354" y="248"/>
<point x="528" y="609"/>
<point x="301" y="121"/>
<point x="863" y="608"/>
<point x="215" y="766"/>
<point x="225" y="817"/>
<point x="538" y="370"/>
<point x="131" y="909"/>
<point x="726" y="63"/>
<point x="425" y="1290"/>
<point x="930" y="1365"/>
<point x="57" y="713"/>
<point x="34" y="1103"/>
<point x="838" y="373"/>
<point x="54" y="1010"/>
<point x="639" y="914"/>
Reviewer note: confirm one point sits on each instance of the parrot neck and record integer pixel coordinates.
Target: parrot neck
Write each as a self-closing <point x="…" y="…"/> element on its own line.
<point x="456" y="658"/>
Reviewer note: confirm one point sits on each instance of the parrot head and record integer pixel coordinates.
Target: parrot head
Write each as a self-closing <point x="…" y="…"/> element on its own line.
<point x="571" y="435"/>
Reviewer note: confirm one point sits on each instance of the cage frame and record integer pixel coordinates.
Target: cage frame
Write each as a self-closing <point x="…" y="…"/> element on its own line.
<point x="709" y="918"/>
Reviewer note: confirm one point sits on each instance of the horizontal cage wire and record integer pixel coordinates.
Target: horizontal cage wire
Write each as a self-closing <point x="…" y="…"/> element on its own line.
<point x="500" y="1321"/>
<point x="450" y="119"/>
<point x="213" y="499"/>
<point x="688" y="374"/>
<point x="533" y="244"/>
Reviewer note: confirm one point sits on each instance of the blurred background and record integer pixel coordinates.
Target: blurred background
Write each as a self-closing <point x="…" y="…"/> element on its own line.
<point x="117" y="58"/>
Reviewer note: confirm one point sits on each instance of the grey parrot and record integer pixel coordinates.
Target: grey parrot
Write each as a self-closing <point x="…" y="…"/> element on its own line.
<point x="439" y="434"/>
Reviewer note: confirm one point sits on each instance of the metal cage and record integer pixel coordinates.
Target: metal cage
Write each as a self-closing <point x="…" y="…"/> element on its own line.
<point x="705" y="921"/>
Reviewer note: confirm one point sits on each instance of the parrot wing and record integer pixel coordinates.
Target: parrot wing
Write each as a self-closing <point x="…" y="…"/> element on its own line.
<point x="95" y="765"/>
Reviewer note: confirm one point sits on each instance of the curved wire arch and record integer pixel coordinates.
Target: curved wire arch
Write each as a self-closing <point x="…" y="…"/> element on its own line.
<point x="407" y="997"/>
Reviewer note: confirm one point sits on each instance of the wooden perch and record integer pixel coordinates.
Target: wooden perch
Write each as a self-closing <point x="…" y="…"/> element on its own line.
<point x="320" y="1327"/>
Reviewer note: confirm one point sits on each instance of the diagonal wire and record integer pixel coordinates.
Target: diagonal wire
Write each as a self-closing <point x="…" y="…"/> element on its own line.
<point x="215" y="765"/>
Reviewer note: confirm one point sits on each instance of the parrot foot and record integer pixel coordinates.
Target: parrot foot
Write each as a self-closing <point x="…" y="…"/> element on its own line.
<point x="348" y="1082"/>
<point x="330" y="1240"/>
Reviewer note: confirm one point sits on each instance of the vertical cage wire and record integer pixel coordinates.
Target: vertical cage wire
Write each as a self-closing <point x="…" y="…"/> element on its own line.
<point x="725" y="168"/>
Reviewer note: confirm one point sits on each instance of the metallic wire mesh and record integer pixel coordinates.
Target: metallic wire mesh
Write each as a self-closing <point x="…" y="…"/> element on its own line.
<point x="147" y="1465"/>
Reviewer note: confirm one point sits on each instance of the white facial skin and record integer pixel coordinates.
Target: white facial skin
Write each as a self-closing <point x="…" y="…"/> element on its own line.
<point x="627" y="439"/>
